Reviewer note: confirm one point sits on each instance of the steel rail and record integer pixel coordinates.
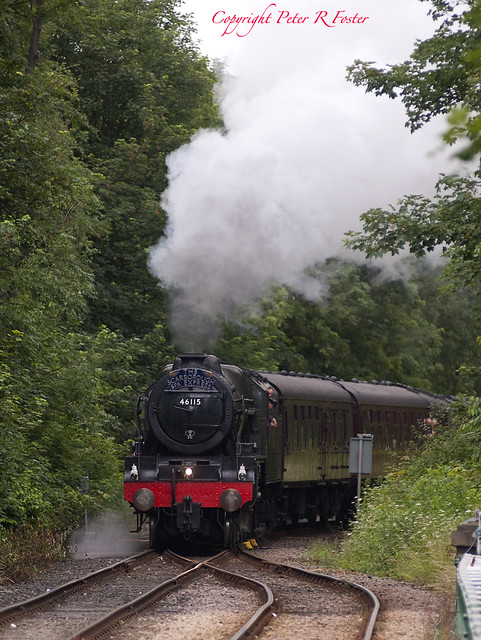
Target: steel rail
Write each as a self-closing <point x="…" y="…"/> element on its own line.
<point x="133" y="608"/>
<point x="371" y="600"/>
<point x="104" y="625"/>
<point x="260" y="618"/>
<point x="23" y="608"/>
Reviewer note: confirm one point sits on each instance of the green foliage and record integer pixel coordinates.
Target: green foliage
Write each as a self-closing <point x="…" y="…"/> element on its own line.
<point x="54" y="427"/>
<point x="451" y="219"/>
<point x="366" y="326"/>
<point x="404" y="525"/>
<point x="465" y="120"/>
<point x="438" y="76"/>
<point x="48" y="206"/>
<point x="93" y="96"/>
<point x="259" y="341"/>
<point x="410" y="518"/>
<point x="382" y="327"/>
<point x="144" y="90"/>
<point x="442" y="76"/>
<point x="51" y="428"/>
<point x="27" y="550"/>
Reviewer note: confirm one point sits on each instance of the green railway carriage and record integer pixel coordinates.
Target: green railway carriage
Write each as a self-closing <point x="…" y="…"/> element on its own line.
<point x="317" y="417"/>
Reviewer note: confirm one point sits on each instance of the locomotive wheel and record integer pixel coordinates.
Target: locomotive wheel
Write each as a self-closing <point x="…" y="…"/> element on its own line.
<point x="228" y="532"/>
<point x="157" y="534"/>
<point x="311" y="514"/>
<point x="231" y="531"/>
<point x="152" y="532"/>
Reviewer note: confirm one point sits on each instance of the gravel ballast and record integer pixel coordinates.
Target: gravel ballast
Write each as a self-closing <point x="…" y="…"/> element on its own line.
<point x="408" y="612"/>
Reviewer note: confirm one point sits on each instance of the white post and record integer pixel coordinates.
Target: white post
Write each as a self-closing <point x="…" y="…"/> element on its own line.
<point x="359" y="471"/>
<point x="478" y="539"/>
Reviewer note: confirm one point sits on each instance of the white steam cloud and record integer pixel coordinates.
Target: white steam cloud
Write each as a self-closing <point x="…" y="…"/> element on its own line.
<point x="303" y="154"/>
<point x="108" y="535"/>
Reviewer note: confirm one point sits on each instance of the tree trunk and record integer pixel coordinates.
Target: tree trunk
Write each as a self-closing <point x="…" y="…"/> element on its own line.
<point x="33" y="54"/>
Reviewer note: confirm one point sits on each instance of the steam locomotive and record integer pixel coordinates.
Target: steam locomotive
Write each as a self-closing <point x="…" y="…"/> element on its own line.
<point x="229" y="453"/>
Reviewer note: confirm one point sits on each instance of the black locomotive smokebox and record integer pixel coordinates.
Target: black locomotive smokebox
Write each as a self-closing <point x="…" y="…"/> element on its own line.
<point x="191" y="409"/>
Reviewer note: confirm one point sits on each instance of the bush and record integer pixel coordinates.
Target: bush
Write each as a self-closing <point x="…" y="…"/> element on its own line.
<point x="27" y="550"/>
<point x="403" y="528"/>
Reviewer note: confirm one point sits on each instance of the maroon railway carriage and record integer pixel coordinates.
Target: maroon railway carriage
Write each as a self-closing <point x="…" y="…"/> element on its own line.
<point x="228" y="453"/>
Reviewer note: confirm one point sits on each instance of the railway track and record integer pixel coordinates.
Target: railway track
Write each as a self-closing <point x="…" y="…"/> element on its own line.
<point x="232" y="595"/>
<point x="61" y="610"/>
<point x="318" y="605"/>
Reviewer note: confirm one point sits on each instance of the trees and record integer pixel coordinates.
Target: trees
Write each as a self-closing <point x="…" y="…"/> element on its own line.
<point x="440" y="74"/>
<point x="50" y="423"/>
<point x="84" y="135"/>
<point x="144" y="89"/>
<point x="443" y="73"/>
<point x="367" y="326"/>
<point x="402" y="329"/>
<point x="53" y="424"/>
<point x="93" y="95"/>
<point x="450" y="220"/>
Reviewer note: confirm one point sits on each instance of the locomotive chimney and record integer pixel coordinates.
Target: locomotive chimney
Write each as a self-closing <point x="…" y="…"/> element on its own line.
<point x="197" y="360"/>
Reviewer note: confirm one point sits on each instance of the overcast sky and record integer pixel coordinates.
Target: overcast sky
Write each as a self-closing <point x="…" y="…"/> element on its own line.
<point x="303" y="155"/>
<point x="389" y="30"/>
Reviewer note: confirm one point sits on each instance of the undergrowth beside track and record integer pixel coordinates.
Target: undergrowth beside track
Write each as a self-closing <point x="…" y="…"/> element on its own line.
<point x="27" y="550"/>
<point x="403" y="527"/>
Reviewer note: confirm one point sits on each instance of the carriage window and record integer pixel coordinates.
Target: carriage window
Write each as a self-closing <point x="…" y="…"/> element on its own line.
<point x="387" y="431"/>
<point x="295" y="411"/>
<point x="379" y="437"/>
<point x="324" y="428"/>
<point x="309" y="434"/>
<point x="365" y="419"/>
<point x="334" y="435"/>
<point x="316" y="434"/>
<point x="303" y="412"/>
<point x="407" y="433"/>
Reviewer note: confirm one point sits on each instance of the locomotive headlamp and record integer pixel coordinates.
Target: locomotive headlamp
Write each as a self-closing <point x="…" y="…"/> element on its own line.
<point x="188" y="472"/>
<point x="242" y="474"/>
<point x="230" y="500"/>
<point x="143" y="499"/>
